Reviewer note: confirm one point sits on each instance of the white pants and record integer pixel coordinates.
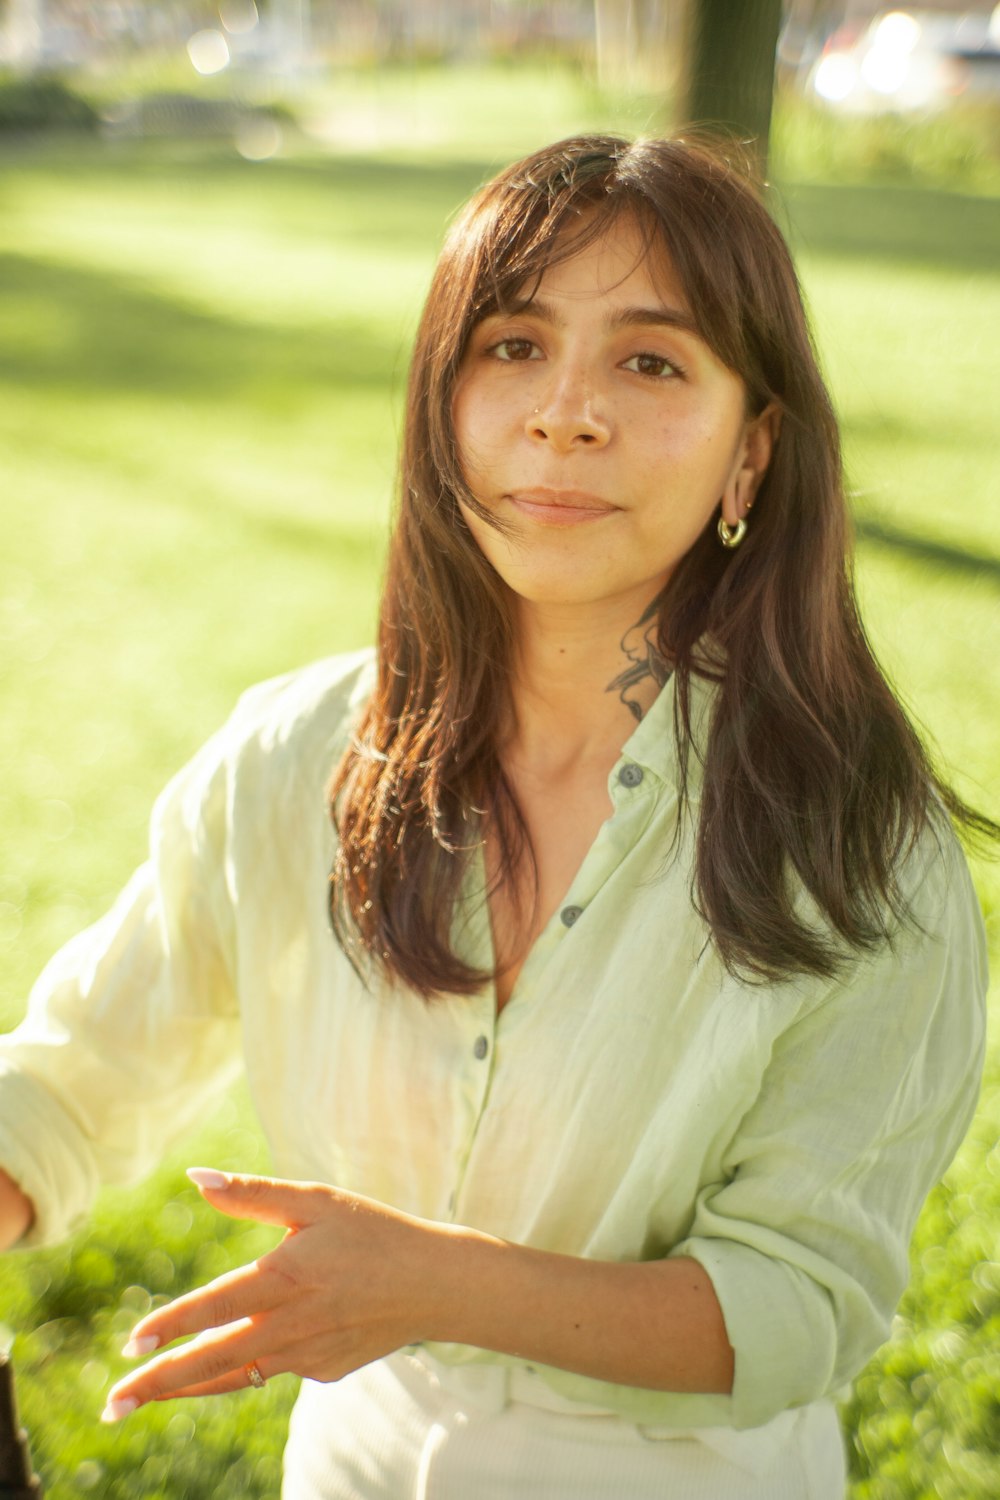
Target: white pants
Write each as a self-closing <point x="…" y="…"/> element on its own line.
<point x="407" y="1428"/>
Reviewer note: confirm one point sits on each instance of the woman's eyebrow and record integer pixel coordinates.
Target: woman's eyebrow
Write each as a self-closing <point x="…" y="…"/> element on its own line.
<point x="657" y="316"/>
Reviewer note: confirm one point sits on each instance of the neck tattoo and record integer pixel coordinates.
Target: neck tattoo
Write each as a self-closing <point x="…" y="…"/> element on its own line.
<point x="641" y="647"/>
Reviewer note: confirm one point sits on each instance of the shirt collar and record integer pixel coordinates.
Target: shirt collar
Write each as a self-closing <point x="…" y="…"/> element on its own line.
<point x="652" y="744"/>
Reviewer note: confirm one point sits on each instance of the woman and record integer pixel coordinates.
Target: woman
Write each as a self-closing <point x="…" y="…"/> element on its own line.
<point x="655" y="1002"/>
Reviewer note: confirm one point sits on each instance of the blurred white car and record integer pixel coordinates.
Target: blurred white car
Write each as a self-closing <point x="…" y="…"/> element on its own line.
<point x="909" y="61"/>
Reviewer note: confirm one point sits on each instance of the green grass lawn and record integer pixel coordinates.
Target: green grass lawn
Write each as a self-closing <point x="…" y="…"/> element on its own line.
<point x="200" y="377"/>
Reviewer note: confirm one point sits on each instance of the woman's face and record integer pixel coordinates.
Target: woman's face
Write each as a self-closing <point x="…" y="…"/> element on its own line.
<point x="596" y="422"/>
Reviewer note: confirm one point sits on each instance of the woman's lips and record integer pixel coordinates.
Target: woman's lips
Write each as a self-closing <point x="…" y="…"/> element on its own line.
<point x="560" y="507"/>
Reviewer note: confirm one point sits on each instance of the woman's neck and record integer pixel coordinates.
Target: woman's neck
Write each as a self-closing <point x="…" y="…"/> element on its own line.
<point x="582" y="680"/>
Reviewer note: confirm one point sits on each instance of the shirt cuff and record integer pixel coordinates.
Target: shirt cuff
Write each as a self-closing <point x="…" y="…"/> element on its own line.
<point x="780" y="1324"/>
<point x="42" y="1149"/>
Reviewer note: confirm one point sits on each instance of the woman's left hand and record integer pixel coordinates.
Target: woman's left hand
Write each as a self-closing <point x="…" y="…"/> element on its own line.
<point x="348" y="1283"/>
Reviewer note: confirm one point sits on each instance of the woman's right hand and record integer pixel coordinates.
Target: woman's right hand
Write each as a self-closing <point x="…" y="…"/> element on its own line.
<point x="17" y="1212"/>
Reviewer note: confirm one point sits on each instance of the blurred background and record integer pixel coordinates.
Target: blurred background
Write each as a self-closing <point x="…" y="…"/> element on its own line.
<point x="216" y="227"/>
<point x="144" y="68"/>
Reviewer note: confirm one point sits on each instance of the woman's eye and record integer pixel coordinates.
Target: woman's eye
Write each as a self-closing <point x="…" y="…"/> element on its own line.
<point x="656" y="365"/>
<point x="513" y="351"/>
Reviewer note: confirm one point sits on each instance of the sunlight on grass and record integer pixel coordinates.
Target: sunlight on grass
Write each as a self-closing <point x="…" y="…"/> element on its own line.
<point x="918" y="447"/>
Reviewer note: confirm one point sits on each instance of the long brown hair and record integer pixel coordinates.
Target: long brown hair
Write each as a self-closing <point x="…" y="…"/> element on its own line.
<point x="811" y="770"/>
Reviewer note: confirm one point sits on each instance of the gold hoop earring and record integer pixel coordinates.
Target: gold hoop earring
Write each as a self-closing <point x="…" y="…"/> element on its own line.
<point x="731" y="536"/>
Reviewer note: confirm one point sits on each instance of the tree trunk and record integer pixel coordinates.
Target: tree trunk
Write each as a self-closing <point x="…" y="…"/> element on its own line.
<point x="729" y="68"/>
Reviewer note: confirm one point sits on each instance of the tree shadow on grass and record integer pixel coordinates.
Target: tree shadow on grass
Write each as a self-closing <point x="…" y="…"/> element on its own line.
<point x="72" y="329"/>
<point x="940" y="554"/>
<point x="917" y="226"/>
<point x="328" y="198"/>
<point x="962" y="429"/>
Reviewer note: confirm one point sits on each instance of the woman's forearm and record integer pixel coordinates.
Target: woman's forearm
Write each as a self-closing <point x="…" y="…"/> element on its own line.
<point x="17" y="1212"/>
<point x="655" y="1324"/>
<point x="358" y="1279"/>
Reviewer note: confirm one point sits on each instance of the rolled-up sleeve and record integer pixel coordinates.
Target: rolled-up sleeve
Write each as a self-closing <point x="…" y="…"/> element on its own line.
<point x="865" y="1101"/>
<point x="133" y="1022"/>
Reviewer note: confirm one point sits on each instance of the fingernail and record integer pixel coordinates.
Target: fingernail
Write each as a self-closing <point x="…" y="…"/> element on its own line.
<point x="208" y="1177"/>
<point x="137" y="1347"/>
<point x="115" y="1410"/>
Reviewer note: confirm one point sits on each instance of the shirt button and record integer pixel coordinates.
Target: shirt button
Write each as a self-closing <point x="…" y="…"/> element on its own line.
<point x="630" y="775"/>
<point x="569" y="914"/>
<point x="481" y="1047"/>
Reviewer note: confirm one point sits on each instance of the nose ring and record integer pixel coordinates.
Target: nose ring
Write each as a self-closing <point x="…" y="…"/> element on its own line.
<point x="536" y="411"/>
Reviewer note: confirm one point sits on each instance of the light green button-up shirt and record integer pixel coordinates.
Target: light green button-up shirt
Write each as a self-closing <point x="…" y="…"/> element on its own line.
<point x="631" y="1101"/>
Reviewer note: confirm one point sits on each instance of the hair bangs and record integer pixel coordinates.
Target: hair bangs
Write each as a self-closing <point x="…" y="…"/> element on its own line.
<point x="560" y="201"/>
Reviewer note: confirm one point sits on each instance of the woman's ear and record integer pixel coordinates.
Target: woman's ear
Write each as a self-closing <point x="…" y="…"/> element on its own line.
<point x="759" y="438"/>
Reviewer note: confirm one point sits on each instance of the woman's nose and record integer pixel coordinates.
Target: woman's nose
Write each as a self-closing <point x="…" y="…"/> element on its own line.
<point x="571" y="415"/>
